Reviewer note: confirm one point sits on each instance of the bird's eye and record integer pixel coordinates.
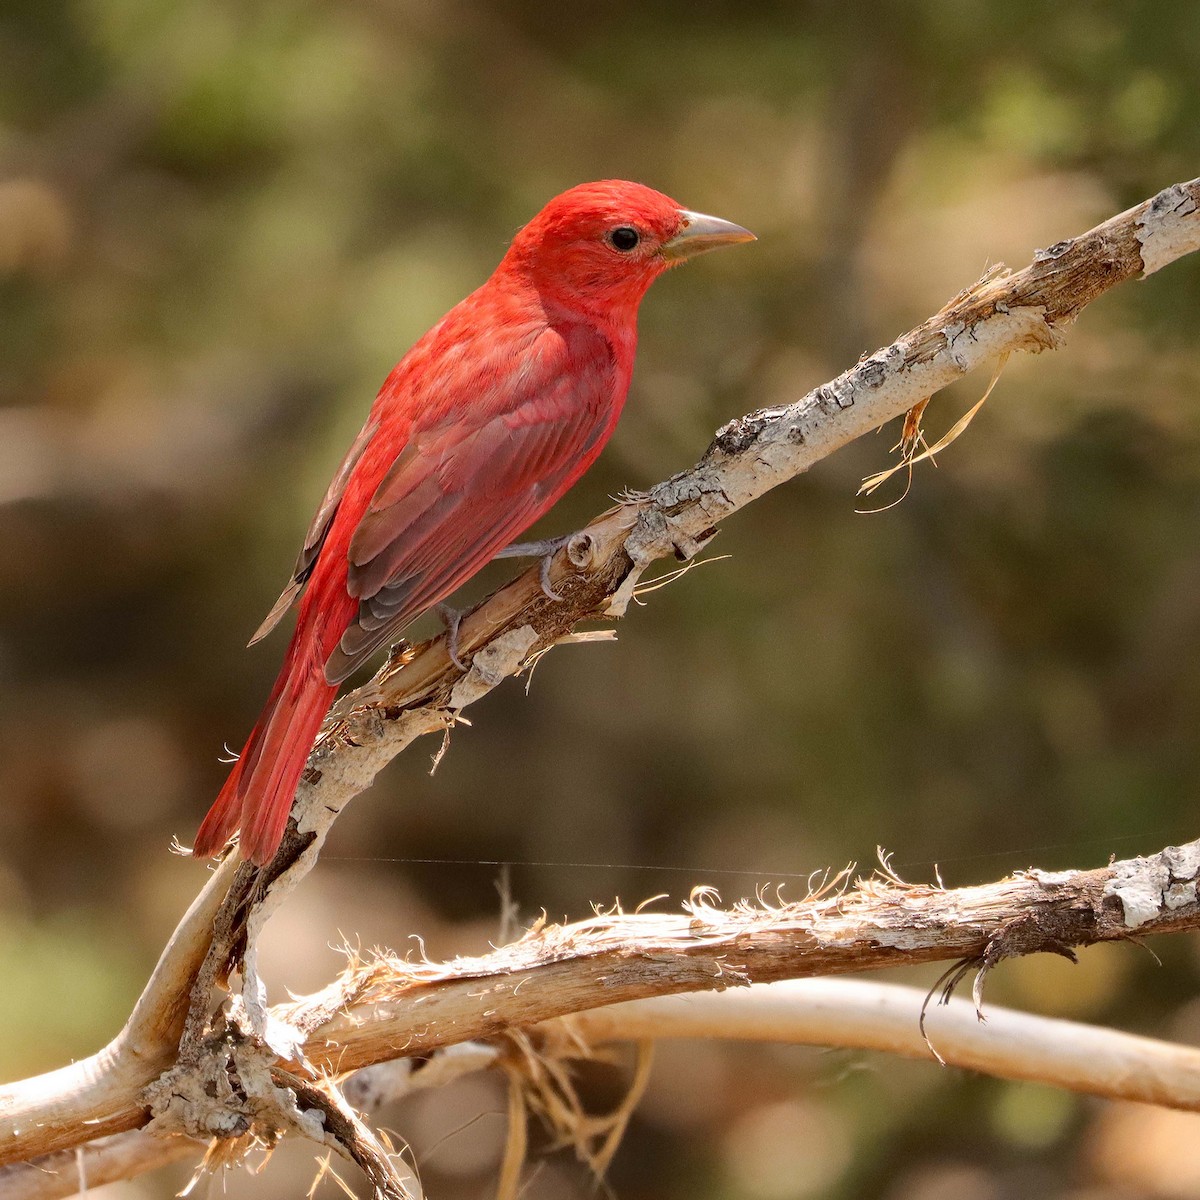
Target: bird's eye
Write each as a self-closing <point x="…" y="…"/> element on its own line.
<point x="624" y="238"/>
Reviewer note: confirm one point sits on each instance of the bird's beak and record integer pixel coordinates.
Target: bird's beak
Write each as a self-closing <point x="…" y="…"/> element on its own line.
<point x="702" y="233"/>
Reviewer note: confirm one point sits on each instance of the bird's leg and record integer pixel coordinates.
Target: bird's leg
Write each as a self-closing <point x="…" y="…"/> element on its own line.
<point x="545" y="550"/>
<point x="452" y="619"/>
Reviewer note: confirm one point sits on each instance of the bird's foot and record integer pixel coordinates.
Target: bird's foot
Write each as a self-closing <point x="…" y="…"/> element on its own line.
<point x="452" y="619"/>
<point x="545" y="550"/>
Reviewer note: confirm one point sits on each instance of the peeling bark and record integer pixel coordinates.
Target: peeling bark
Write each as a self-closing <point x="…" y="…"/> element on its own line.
<point x="405" y="1009"/>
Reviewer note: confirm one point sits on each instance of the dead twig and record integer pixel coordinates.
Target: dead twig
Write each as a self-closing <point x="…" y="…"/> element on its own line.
<point x="421" y="691"/>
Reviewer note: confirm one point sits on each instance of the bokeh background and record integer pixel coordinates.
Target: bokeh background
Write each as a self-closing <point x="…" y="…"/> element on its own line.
<point x="222" y="222"/>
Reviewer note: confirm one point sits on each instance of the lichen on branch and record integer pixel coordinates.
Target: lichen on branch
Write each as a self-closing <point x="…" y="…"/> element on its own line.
<point x="401" y="1008"/>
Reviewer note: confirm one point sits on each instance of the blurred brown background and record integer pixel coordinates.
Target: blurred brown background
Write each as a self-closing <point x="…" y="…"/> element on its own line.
<point x="222" y="222"/>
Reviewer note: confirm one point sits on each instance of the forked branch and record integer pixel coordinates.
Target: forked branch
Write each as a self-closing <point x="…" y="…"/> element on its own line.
<point x="421" y="691"/>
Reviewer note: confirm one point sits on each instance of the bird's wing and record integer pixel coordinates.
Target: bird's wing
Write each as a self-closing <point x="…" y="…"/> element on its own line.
<point x="317" y="532"/>
<point x="461" y="490"/>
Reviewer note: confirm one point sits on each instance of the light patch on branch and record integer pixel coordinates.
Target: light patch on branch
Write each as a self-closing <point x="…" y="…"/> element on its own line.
<point x="599" y="570"/>
<point x="1148" y="886"/>
<point x="390" y="1006"/>
<point x="406" y="1008"/>
<point x="1167" y="229"/>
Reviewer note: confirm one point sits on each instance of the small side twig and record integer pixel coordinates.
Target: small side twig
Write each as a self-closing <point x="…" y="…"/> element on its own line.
<point x="420" y="691"/>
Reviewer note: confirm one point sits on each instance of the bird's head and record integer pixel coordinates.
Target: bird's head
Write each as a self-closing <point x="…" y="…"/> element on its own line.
<point x="596" y="248"/>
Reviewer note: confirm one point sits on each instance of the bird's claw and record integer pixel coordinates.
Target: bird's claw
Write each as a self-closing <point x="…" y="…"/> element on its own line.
<point x="545" y="550"/>
<point x="544" y="577"/>
<point x="452" y="618"/>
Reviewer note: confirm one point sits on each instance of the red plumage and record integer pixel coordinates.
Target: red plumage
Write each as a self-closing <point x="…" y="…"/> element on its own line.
<point x="477" y="431"/>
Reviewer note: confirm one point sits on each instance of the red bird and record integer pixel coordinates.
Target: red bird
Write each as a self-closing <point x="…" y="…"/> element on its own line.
<point x="477" y="431"/>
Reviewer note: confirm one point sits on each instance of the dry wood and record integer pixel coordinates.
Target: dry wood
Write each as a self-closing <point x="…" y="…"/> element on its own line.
<point x="544" y="982"/>
<point x="420" y="691"/>
<point x="106" y="1160"/>
<point x="865" y="1015"/>
<point x="390" y="1006"/>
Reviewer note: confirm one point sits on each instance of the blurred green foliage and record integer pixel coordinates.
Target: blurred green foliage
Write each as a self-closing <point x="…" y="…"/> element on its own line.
<point x="221" y="223"/>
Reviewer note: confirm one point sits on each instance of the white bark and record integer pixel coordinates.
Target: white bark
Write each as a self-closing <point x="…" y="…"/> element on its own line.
<point x="849" y="1014"/>
<point x="420" y="692"/>
<point x="863" y="1015"/>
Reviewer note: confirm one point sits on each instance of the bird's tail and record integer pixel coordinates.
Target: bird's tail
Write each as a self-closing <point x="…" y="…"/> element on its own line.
<point x="257" y="796"/>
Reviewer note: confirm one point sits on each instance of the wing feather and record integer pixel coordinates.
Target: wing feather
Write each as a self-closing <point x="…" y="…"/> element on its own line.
<point x="461" y="490"/>
<point x="318" y="531"/>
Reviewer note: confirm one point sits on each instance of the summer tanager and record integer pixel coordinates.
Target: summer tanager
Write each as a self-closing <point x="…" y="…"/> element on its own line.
<point x="477" y="431"/>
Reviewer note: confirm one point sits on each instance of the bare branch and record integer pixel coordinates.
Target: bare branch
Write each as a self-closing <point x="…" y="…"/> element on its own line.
<point x="420" y="691"/>
<point x="101" y="1094"/>
<point x="847" y="1013"/>
<point x="391" y="1006"/>
<point x="864" y="1015"/>
<point x="107" y="1160"/>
